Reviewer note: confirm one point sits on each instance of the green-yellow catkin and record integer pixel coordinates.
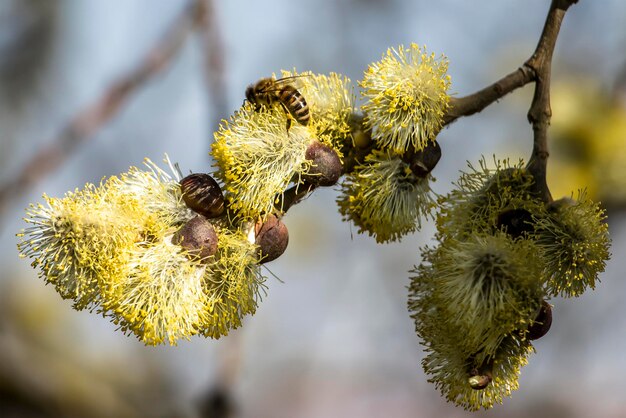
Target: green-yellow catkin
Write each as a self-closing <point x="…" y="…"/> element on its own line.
<point x="110" y="248"/>
<point x="575" y="240"/>
<point x="406" y="97"/>
<point x="79" y="243"/>
<point x="384" y="198"/>
<point x="450" y="360"/>
<point x="482" y="195"/>
<point x="234" y="285"/>
<point x="475" y="294"/>
<point x="257" y="158"/>
<point x="450" y="369"/>
<point x="488" y="285"/>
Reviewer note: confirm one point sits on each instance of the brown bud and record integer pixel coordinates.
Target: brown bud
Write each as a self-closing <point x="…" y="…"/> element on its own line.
<point x="542" y="323"/>
<point x="202" y="194"/>
<point x="560" y="204"/>
<point x="272" y="238"/>
<point x="422" y="162"/>
<point x="361" y="139"/>
<point x="515" y="222"/>
<point x="326" y="166"/>
<point x="361" y="135"/>
<point x="479" y="380"/>
<point x="198" y="237"/>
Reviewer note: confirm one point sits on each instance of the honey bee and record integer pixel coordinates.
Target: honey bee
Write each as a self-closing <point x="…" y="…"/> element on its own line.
<point x="268" y="91"/>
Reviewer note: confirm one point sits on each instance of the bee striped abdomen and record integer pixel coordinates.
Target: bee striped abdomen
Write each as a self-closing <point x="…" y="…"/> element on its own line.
<point x="267" y="92"/>
<point x="295" y="104"/>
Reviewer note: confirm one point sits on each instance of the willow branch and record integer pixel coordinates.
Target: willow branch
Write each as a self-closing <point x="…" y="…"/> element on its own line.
<point x="540" y="112"/>
<point x="293" y="196"/>
<point x="476" y="102"/>
<point x="93" y="117"/>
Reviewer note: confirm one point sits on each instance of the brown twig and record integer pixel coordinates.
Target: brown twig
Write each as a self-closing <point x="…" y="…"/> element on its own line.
<point x="474" y="103"/>
<point x="540" y="112"/>
<point x="293" y="196"/>
<point x="89" y="120"/>
<point x="530" y="71"/>
<point x="537" y="68"/>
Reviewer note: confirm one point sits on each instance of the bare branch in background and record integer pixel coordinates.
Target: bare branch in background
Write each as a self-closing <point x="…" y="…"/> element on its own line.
<point x="94" y="116"/>
<point x="212" y="45"/>
<point x="218" y="400"/>
<point x="27" y="39"/>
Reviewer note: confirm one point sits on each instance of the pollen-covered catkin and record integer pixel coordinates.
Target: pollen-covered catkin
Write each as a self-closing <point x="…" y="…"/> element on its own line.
<point x="132" y="249"/>
<point x="575" y="240"/>
<point x="257" y="158"/>
<point x="384" y="198"/>
<point x="406" y="97"/>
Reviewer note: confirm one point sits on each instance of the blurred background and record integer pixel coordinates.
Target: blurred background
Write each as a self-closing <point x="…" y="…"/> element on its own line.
<point x="89" y="88"/>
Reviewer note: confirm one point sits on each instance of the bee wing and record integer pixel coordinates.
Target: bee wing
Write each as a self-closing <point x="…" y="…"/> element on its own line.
<point x="280" y="82"/>
<point x="291" y="77"/>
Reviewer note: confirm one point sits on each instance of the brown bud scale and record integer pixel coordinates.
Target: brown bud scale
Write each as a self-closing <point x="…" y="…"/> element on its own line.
<point x="515" y="222"/>
<point x="203" y="195"/>
<point x="422" y="162"/>
<point x="198" y="237"/>
<point x="272" y="238"/>
<point x="560" y="204"/>
<point x="326" y="166"/>
<point x="542" y="323"/>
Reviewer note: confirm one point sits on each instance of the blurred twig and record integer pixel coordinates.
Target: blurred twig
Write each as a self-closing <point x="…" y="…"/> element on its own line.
<point x="219" y="401"/>
<point x="88" y="120"/>
<point x="29" y="34"/>
<point x="212" y="46"/>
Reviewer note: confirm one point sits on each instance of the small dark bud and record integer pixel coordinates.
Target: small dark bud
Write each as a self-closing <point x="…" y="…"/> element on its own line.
<point x="326" y="166"/>
<point x="198" y="237"/>
<point x="515" y="222"/>
<point x="424" y="161"/>
<point x="542" y="323"/>
<point x="558" y="205"/>
<point x="361" y="136"/>
<point x="272" y="238"/>
<point x="479" y="380"/>
<point x="361" y="140"/>
<point x="203" y="195"/>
